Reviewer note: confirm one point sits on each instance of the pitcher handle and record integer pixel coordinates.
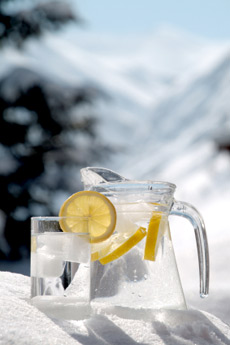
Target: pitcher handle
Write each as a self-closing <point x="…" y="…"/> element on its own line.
<point x="183" y="209"/>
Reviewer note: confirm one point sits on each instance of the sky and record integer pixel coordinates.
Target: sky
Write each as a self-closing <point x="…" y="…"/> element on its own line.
<point x="206" y="18"/>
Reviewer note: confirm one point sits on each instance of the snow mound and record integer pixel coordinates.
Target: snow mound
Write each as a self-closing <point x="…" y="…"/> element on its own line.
<point x="24" y="324"/>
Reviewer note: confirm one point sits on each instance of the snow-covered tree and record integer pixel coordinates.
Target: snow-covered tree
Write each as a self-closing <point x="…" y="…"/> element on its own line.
<point x="43" y="138"/>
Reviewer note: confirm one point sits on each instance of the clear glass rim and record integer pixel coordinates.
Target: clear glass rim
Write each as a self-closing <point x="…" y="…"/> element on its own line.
<point x="142" y="185"/>
<point x="61" y="233"/>
<point x="55" y="218"/>
<point x="52" y="225"/>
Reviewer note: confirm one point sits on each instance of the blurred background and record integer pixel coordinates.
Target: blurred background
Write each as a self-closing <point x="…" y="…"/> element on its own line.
<point x="140" y="87"/>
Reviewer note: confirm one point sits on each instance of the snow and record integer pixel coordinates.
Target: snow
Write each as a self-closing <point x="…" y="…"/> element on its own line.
<point x="168" y="103"/>
<point x="22" y="324"/>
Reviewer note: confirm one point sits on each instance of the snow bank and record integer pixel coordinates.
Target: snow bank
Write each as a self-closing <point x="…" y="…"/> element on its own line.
<point x="22" y="324"/>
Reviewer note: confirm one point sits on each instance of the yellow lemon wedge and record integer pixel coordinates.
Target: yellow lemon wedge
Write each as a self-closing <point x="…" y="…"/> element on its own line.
<point x="94" y="256"/>
<point x="153" y="238"/>
<point x="100" y="249"/>
<point x="88" y="212"/>
<point x="116" y="249"/>
<point x="33" y="244"/>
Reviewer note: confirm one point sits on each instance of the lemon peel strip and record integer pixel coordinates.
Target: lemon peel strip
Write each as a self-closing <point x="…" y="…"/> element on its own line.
<point x="153" y="237"/>
<point x="124" y="247"/>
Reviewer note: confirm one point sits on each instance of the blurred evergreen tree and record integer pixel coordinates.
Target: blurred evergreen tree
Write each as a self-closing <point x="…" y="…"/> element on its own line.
<point x="19" y="25"/>
<point x="39" y="131"/>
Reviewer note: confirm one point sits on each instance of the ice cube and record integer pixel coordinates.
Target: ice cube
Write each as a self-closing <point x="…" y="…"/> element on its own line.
<point x="50" y="242"/>
<point x="76" y="248"/>
<point x="125" y="224"/>
<point x="135" y="212"/>
<point x="66" y="246"/>
<point x="45" y="265"/>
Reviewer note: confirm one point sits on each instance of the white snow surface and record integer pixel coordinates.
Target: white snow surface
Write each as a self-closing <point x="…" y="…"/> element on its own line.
<point x="22" y="324"/>
<point x="169" y="102"/>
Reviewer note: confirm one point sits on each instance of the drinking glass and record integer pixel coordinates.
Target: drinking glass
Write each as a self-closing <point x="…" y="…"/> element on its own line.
<point x="60" y="269"/>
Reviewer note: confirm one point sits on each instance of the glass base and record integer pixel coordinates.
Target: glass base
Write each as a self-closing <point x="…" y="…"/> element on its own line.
<point x="60" y="307"/>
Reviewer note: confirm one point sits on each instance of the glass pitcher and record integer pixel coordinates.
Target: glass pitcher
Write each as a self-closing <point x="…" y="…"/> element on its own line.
<point x="131" y="282"/>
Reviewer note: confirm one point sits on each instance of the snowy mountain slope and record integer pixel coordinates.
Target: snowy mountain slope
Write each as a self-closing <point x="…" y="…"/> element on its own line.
<point x="189" y="119"/>
<point x="138" y="73"/>
<point x="135" y="72"/>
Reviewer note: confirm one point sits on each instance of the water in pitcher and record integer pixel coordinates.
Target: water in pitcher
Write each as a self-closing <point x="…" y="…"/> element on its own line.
<point x="130" y="283"/>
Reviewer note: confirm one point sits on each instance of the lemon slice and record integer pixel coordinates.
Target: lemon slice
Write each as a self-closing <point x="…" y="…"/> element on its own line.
<point x="153" y="238"/>
<point x="120" y="249"/>
<point x="88" y="212"/>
